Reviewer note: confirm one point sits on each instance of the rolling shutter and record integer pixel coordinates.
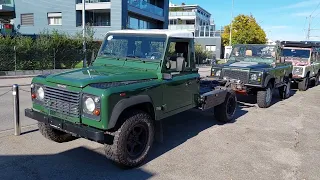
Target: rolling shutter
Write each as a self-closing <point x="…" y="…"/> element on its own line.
<point x="27" y="19"/>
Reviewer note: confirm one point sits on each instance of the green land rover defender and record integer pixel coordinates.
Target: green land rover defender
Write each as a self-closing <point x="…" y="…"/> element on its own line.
<point x="138" y="78"/>
<point x="255" y="69"/>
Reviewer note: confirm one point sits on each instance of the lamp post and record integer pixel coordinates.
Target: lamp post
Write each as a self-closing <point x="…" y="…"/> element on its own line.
<point x="84" y="32"/>
<point x="230" y="41"/>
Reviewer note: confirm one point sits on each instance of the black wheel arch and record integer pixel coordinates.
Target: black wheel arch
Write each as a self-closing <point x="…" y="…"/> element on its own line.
<point x="140" y="102"/>
<point x="268" y="79"/>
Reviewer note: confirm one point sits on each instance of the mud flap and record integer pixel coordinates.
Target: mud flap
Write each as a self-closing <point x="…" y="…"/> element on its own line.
<point x="158" y="131"/>
<point x="213" y="98"/>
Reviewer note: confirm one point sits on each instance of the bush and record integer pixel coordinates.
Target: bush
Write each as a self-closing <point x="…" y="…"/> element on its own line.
<point x="47" y="51"/>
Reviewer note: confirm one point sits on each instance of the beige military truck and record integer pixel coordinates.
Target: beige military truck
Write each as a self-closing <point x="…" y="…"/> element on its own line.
<point x="305" y="58"/>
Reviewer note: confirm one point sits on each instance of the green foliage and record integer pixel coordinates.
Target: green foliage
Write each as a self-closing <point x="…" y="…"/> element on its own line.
<point x="48" y="51"/>
<point x="174" y="9"/>
<point x="201" y="54"/>
<point x="245" y="30"/>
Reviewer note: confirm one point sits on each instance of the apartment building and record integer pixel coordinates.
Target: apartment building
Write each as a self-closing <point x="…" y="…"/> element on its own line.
<point x="33" y="16"/>
<point x="197" y="20"/>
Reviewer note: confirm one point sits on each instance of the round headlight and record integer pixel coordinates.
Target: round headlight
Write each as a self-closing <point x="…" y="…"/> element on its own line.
<point x="218" y="73"/>
<point x="89" y="105"/>
<point x="40" y="93"/>
<point x="254" y="77"/>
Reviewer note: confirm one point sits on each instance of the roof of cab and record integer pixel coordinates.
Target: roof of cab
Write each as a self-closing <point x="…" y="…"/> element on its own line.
<point x="169" y="33"/>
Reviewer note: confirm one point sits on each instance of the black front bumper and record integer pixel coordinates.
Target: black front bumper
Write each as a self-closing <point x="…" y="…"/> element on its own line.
<point x="75" y="129"/>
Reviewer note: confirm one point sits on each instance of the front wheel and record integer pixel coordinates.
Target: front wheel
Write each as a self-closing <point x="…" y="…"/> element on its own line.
<point x="303" y="85"/>
<point x="317" y="80"/>
<point x="53" y="134"/>
<point x="285" y="90"/>
<point x="132" y="141"/>
<point x="264" y="97"/>
<point x="225" y="112"/>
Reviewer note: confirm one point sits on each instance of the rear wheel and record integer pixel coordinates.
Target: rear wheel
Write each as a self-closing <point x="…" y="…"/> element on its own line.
<point x="303" y="85"/>
<point x="264" y="97"/>
<point x="53" y="134"/>
<point x="132" y="141"/>
<point x="225" y="112"/>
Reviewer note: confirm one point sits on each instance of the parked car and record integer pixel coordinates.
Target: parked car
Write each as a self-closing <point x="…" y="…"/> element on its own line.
<point x="255" y="70"/>
<point x="305" y="58"/>
<point x="121" y="99"/>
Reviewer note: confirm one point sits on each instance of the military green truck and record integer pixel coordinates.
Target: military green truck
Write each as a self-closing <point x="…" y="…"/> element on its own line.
<point x="138" y="78"/>
<point x="305" y="58"/>
<point x="255" y="69"/>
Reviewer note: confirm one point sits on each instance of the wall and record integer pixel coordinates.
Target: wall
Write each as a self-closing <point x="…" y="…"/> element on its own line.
<point x="118" y="17"/>
<point x="216" y="41"/>
<point x="68" y="10"/>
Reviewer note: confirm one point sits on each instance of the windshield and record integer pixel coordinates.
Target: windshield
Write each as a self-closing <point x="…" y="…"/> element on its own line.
<point x="141" y="47"/>
<point x="300" y="53"/>
<point x="248" y="52"/>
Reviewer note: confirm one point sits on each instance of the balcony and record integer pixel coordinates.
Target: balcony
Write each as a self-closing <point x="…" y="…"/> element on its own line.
<point x="182" y="14"/>
<point x="96" y="18"/>
<point x="186" y="15"/>
<point x="189" y="27"/>
<point x="143" y="5"/>
<point x="94" y="4"/>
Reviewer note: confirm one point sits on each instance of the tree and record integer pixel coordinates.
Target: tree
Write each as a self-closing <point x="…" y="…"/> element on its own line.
<point x="245" y="30"/>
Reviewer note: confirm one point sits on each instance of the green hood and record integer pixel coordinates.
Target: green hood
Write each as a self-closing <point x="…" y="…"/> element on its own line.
<point x="98" y="74"/>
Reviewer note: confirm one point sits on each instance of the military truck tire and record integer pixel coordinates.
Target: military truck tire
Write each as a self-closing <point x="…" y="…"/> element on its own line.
<point x="132" y="141"/>
<point x="53" y="134"/>
<point x="285" y="90"/>
<point x="225" y="111"/>
<point x="264" y="97"/>
<point x="317" y="80"/>
<point x="303" y="85"/>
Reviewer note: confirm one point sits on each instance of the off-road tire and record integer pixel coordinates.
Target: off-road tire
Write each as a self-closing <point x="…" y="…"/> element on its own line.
<point x="285" y="91"/>
<point x="53" y="134"/>
<point x="317" y="80"/>
<point x="118" y="151"/>
<point x="225" y="112"/>
<point x="304" y="85"/>
<point x="264" y="99"/>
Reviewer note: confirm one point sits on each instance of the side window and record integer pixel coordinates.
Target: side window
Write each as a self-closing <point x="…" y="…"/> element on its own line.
<point x="178" y="53"/>
<point x="318" y="57"/>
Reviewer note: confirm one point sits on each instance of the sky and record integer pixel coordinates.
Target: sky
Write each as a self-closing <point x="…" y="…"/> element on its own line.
<point x="280" y="19"/>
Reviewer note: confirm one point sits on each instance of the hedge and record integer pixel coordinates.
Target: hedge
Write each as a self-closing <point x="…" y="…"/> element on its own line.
<point x="47" y="51"/>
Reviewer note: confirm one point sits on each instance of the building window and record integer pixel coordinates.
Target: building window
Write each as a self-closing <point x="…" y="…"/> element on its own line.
<point x="211" y="48"/>
<point x="134" y="23"/>
<point x="27" y="19"/>
<point x="55" y="18"/>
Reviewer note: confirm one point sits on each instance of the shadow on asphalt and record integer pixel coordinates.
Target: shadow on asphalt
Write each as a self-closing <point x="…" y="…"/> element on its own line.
<point x="83" y="163"/>
<point x="78" y="163"/>
<point x="182" y="127"/>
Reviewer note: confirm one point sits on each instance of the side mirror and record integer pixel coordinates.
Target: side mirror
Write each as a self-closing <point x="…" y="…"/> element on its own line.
<point x="180" y="64"/>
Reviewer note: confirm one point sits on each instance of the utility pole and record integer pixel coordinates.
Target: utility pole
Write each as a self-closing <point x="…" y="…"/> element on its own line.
<point x="309" y="25"/>
<point x="230" y="41"/>
<point x="84" y="32"/>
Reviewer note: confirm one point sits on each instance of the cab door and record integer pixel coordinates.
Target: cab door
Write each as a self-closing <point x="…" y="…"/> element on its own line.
<point x="314" y="63"/>
<point x="179" y="91"/>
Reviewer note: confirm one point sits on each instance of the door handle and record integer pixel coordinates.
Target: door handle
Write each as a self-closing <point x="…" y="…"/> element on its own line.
<point x="188" y="83"/>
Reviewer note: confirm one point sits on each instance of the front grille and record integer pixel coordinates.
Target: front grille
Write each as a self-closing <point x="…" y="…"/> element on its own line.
<point x="236" y="74"/>
<point x="62" y="101"/>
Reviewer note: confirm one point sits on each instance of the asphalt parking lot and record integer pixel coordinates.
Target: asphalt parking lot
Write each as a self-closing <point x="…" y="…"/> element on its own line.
<point x="281" y="142"/>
